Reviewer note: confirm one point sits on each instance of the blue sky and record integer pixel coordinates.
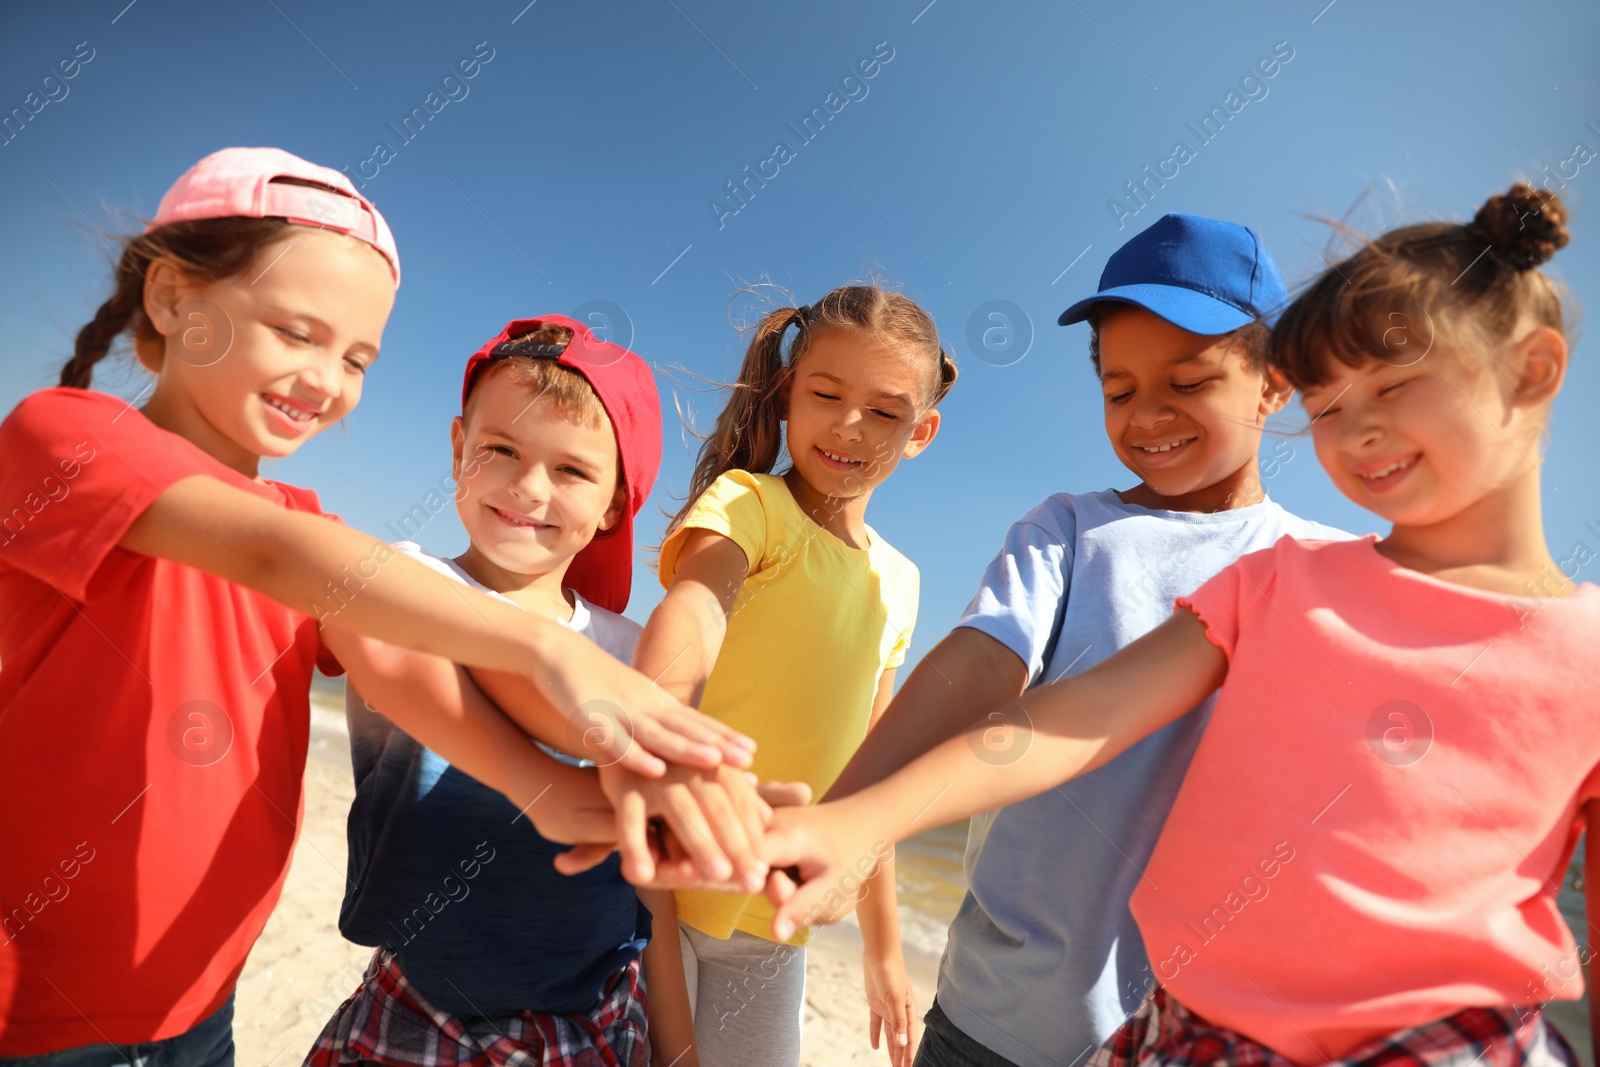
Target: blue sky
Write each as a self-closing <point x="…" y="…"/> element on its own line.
<point x="581" y="167"/>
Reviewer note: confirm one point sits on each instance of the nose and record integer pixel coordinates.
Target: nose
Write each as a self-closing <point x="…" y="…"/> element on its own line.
<point x="532" y="483"/>
<point x="321" y="380"/>
<point x="1150" y="413"/>
<point x="1359" y="431"/>
<point x="847" y="427"/>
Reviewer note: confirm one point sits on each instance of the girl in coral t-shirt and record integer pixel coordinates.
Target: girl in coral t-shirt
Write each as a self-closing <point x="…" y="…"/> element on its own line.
<point x="1363" y="861"/>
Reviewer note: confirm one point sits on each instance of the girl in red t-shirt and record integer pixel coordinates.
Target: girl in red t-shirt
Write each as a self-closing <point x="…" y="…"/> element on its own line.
<point x="164" y="606"/>
<point x="1362" y="863"/>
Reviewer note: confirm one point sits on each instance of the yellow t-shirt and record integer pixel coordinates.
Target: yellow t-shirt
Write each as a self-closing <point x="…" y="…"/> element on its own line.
<point x="815" y="625"/>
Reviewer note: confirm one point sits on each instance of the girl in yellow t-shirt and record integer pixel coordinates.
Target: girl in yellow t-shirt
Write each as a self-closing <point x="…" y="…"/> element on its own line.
<point x="786" y="617"/>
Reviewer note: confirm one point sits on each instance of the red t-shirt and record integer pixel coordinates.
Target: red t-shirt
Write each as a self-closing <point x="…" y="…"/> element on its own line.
<point x="153" y="723"/>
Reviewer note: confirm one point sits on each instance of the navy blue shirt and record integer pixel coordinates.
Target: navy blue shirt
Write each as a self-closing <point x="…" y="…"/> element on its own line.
<point x="447" y="873"/>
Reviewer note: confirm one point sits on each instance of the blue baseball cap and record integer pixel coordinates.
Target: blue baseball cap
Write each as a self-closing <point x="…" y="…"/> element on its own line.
<point x="1202" y="275"/>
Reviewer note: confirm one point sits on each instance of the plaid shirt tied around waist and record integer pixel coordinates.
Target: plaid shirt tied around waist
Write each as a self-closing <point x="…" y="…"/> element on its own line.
<point x="388" y="1021"/>
<point x="1163" y="1033"/>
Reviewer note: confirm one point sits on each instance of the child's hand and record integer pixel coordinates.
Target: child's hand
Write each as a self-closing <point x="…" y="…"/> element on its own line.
<point x="573" y="810"/>
<point x="893" y="1005"/>
<point x="829" y="846"/>
<point x="674" y="868"/>
<point x="637" y="724"/>
<point x="716" y="817"/>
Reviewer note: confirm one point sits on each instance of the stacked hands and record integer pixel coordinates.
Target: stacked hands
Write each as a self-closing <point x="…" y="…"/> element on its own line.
<point x="671" y="794"/>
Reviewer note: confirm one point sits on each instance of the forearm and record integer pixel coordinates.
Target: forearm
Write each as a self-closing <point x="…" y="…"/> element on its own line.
<point x="334" y="573"/>
<point x="671" y="1024"/>
<point x="434" y="702"/>
<point x="961" y="677"/>
<point x="879" y="913"/>
<point x="1057" y="732"/>
<point x="680" y="643"/>
<point x="524" y="704"/>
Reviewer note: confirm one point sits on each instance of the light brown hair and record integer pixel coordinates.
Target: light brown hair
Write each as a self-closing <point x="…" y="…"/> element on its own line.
<point x="568" y="391"/>
<point x="748" y="434"/>
<point x="1470" y="283"/>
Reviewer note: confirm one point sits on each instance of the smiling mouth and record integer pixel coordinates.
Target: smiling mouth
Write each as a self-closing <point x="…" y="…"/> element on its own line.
<point x="1389" y="471"/>
<point x="523" y="524"/>
<point x="289" y="411"/>
<point x="838" y="459"/>
<point x="1165" y="446"/>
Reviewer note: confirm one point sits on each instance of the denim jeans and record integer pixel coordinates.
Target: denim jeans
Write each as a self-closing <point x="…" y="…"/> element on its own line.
<point x="209" y="1043"/>
<point x="945" y="1045"/>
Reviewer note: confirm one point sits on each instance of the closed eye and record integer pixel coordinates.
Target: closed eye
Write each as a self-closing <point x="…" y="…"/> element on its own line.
<point x="1389" y="389"/>
<point x="1120" y="398"/>
<point x="1189" y="387"/>
<point x="823" y="396"/>
<point x="576" y="472"/>
<point x="891" y="416"/>
<point x="293" y="335"/>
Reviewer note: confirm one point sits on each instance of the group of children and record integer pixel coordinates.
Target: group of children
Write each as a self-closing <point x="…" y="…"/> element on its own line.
<point x="1196" y="843"/>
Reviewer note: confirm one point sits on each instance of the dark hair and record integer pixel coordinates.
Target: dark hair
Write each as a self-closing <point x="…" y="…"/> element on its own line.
<point x="207" y="249"/>
<point x="1251" y="338"/>
<point x="1471" y="282"/>
<point x="748" y="435"/>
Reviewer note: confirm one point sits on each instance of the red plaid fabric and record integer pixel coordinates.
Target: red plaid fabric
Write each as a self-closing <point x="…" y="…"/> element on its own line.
<point x="387" y="1021"/>
<point x="1163" y="1033"/>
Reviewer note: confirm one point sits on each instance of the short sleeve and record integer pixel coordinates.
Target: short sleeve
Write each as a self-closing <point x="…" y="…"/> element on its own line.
<point x="1222" y="602"/>
<point x="80" y="467"/>
<point x="907" y="610"/>
<point x="731" y="506"/>
<point x="1023" y="594"/>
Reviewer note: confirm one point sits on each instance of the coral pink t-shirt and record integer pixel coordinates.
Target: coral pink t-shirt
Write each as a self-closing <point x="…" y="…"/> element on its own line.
<point x="1378" y="819"/>
<point x="153" y="723"/>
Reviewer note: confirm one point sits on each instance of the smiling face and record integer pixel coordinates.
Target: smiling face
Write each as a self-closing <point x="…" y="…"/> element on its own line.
<point x="856" y="407"/>
<point x="254" y="365"/>
<point x="1183" y="411"/>
<point x="535" y="485"/>
<point x="1421" y="442"/>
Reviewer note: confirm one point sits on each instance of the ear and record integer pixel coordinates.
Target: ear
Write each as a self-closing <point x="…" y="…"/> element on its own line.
<point x="614" y="513"/>
<point x="1275" y="392"/>
<point x="1541" y="356"/>
<point x="166" y="287"/>
<point x="922" y="434"/>
<point x="458" y="446"/>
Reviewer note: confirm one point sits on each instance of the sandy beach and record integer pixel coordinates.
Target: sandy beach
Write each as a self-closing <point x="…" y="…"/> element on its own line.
<point x="301" y="968"/>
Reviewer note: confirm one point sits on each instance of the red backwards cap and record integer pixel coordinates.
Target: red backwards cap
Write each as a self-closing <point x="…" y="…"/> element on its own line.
<point x="602" y="573"/>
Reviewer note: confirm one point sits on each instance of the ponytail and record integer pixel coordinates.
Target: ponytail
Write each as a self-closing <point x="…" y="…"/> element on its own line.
<point x="749" y="433"/>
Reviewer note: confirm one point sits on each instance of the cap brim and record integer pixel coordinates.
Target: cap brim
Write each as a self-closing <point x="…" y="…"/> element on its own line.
<point x="1184" y="308"/>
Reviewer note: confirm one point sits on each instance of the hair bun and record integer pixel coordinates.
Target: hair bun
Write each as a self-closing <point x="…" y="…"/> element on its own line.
<point x="1524" y="226"/>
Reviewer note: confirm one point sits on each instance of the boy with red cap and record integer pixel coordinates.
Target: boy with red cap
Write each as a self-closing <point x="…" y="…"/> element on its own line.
<point x="484" y="949"/>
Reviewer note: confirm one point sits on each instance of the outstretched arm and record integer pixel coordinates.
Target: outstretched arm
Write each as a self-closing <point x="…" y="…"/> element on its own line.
<point x="1066" y="729"/>
<point x="435" y="702"/>
<point x="891" y="1002"/>
<point x="349" y="579"/>
<point x="967" y="673"/>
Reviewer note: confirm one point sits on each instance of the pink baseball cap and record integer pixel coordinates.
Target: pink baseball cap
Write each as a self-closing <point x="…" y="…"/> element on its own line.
<point x="240" y="183"/>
